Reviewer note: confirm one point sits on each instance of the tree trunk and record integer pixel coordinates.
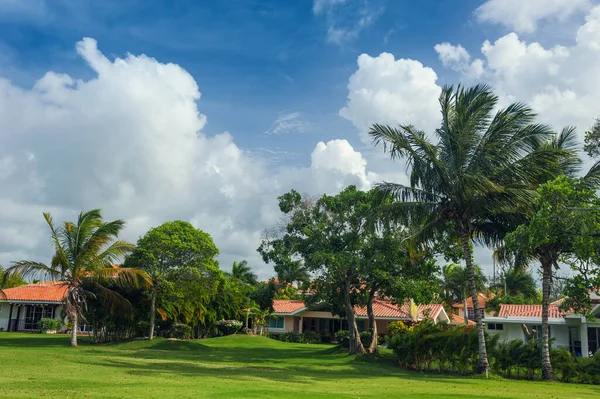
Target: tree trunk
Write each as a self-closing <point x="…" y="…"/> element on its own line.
<point x="152" y="314"/>
<point x="74" y="322"/>
<point x="547" y="372"/>
<point x="247" y="317"/>
<point x="465" y="310"/>
<point x="354" y="346"/>
<point x="373" y="348"/>
<point x="483" y="364"/>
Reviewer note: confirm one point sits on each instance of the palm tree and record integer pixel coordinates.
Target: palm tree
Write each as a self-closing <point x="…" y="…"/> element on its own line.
<point x="242" y="272"/>
<point x="458" y="283"/>
<point x="84" y="256"/>
<point x="475" y="180"/>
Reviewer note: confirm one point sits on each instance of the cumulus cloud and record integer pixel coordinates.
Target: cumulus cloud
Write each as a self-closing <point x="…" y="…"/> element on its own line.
<point x="523" y="16"/>
<point x="458" y="59"/>
<point x="130" y="141"/>
<point x="390" y="91"/>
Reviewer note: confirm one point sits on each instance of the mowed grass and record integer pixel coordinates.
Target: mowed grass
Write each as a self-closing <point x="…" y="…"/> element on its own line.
<point x="43" y="366"/>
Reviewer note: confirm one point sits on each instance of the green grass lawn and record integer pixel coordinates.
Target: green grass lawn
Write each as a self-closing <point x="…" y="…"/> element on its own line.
<point x="43" y="366"/>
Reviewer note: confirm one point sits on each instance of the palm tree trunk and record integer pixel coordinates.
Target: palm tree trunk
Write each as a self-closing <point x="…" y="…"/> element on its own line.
<point x="152" y="314"/>
<point x="247" y="317"/>
<point x="373" y="348"/>
<point x="354" y="346"/>
<point x="465" y="310"/>
<point x="547" y="372"/>
<point x="483" y="365"/>
<point x="74" y="322"/>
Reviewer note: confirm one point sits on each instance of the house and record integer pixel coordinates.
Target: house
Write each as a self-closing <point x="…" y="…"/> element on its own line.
<point x="458" y="307"/>
<point x="568" y="329"/>
<point x="22" y="307"/>
<point x="295" y="316"/>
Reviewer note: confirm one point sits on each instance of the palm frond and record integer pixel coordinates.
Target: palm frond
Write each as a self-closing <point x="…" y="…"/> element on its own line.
<point x="33" y="270"/>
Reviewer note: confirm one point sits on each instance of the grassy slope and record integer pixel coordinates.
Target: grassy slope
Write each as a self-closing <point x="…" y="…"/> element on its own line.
<point x="237" y="366"/>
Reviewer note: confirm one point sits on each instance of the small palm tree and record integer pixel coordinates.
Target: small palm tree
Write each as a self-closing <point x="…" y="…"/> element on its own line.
<point x="458" y="283"/>
<point x="85" y="253"/>
<point x="243" y="272"/>
<point x="476" y="179"/>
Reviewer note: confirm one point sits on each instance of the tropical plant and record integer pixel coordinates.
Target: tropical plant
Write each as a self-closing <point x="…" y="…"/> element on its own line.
<point x="15" y="280"/>
<point x="243" y="272"/>
<point x="177" y="251"/>
<point x="85" y="255"/>
<point x="565" y="220"/>
<point x="46" y="324"/>
<point x="456" y="283"/>
<point x="476" y="180"/>
<point x="229" y="327"/>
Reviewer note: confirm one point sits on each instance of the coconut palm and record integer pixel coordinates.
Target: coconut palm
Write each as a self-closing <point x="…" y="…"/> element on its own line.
<point x="243" y="272"/>
<point x="85" y="253"/>
<point x="458" y="284"/>
<point x="475" y="180"/>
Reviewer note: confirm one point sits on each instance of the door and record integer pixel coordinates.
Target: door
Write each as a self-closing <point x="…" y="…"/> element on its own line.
<point x="35" y="313"/>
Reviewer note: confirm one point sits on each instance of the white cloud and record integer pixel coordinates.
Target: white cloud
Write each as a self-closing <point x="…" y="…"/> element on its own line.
<point x="523" y="15"/>
<point x="291" y="122"/>
<point x="390" y="91"/>
<point x="130" y="141"/>
<point x="458" y="59"/>
<point x="345" y="19"/>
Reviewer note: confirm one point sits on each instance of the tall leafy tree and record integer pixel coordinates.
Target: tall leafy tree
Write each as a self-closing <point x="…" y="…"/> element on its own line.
<point x="85" y="252"/>
<point x="13" y="281"/>
<point x="476" y="179"/>
<point x="565" y="221"/>
<point x="592" y="140"/>
<point x="243" y="272"/>
<point x="170" y="252"/>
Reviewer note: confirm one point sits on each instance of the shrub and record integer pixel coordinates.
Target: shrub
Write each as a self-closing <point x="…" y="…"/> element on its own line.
<point x="229" y="327"/>
<point x="342" y="337"/>
<point x="179" y="331"/>
<point x="397" y="327"/>
<point x="365" y="338"/>
<point x="309" y="337"/>
<point x="288" y="337"/>
<point x="47" y="324"/>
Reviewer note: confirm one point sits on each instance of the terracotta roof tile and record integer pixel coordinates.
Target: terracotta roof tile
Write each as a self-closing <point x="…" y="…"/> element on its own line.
<point x="457" y="320"/>
<point x="287" y="305"/>
<point x="482" y="299"/>
<point x="48" y="291"/>
<point x="533" y="311"/>
<point x="380" y="309"/>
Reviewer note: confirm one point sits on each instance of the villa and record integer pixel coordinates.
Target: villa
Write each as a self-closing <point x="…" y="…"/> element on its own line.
<point x="568" y="329"/>
<point x="21" y="308"/>
<point x="295" y="316"/>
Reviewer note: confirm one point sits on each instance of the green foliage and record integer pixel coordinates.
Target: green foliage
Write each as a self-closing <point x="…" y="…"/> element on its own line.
<point x="308" y="337"/>
<point x="14" y="280"/>
<point x="397" y="327"/>
<point x="493" y="304"/>
<point x="229" y="327"/>
<point x="342" y="337"/>
<point x="263" y="294"/>
<point x="243" y="272"/>
<point x="179" y="331"/>
<point x="592" y="140"/>
<point x="287" y="292"/>
<point x="47" y="324"/>
<point x="84" y="255"/>
<point x="427" y="346"/>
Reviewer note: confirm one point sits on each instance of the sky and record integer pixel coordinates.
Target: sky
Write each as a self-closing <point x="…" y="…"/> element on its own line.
<point x="207" y="111"/>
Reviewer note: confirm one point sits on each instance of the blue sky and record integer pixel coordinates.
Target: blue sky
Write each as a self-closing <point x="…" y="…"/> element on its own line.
<point x="259" y="58"/>
<point x="288" y="91"/>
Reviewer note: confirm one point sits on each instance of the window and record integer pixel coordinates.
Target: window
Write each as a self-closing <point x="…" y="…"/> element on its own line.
<point x="276" y="323"/>
<point x="471" y="313"/>
<point x="593" y="340"/>
<point x="495" y="326"/>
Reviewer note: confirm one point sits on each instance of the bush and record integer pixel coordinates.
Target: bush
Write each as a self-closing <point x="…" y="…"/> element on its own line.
<point x="229" y="327"/>
<point x="365" y="338"/>
<point x="308" y="337"/>
<point x="179" y="331"/>
<point x="47" y="324"/>
<point x="397" y="327"/>
<point x="342" y="337"/>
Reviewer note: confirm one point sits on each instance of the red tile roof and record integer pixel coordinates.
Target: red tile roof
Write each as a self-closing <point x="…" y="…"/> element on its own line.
<point x="482" y="299"/>
<point x="287" y="305"/>
<point x="533" y="311"/>
<point x="48" y="291"/>
<point x="382" y="309"/>
<point x="457" y="320"/>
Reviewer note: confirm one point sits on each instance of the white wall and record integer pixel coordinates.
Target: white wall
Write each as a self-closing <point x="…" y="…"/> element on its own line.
<point x="513" y="331"/>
